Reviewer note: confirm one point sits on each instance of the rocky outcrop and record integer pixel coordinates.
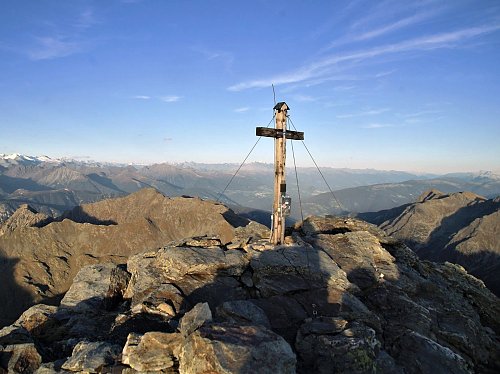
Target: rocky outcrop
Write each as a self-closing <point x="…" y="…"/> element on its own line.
<point x="152" y="351"/>
<point x="340" y="296"/>
<point x="6" y="209"/>
<point x="24" y="216"/>
<point x="38" y="259"/>
<point x="461" y="228"/>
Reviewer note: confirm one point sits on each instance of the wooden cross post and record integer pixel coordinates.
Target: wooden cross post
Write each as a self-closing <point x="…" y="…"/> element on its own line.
<point x="280" y="134"/>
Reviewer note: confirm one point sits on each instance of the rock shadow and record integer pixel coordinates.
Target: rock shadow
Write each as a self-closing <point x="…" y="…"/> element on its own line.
<point x="377" y="218"/>
<point x="78" y="214"/>
<point x="104" y="181"/>
<point x="11" y="184"/>
<point x="12" y="296"/>
<point x="261" y="216"/>
<point x="234" y="219"/>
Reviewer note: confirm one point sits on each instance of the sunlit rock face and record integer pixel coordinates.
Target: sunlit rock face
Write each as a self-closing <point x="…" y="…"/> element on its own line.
<point x="460" y="227"/>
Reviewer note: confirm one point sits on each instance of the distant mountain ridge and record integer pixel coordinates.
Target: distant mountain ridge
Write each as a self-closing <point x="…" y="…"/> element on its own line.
<point x="53" y="186"/>
<point x="381" y="196"/>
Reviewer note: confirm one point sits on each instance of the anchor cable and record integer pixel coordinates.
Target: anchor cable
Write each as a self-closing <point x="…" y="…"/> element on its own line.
<point x="308" y="280"/>
<point x="319" y="170"/>
<point x="297" y="180"/>
<point x="241" y="165"/>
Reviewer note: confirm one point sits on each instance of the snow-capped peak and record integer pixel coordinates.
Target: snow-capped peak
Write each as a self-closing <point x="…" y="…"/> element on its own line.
<point x="17" y="158"/>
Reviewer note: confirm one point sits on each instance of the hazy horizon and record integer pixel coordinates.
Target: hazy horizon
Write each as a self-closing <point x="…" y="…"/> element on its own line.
<point x="87" y="159"/>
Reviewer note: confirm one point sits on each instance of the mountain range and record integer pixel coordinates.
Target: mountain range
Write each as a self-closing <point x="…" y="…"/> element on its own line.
<point x="53" y="186"/>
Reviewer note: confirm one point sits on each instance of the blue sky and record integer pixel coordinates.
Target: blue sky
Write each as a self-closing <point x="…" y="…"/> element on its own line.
<point x="407" y="85"/>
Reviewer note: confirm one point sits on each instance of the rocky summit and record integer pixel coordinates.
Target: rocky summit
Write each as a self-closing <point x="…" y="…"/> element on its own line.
<point x="339" y="297"/>
<point x="39" y="257"/>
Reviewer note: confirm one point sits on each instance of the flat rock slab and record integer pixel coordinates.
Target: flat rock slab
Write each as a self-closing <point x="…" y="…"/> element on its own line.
<point x="236" y="349"/>
<point x="179" y="262"/>
<point x="292" y="269"/>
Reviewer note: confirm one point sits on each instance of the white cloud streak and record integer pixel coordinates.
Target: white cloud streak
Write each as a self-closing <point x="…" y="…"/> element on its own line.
<point x="405" y="22"/>
<point x="170" y="99"/>
<point x="421" y="113"/>
<point x="372" y="112"/>
<point x="242" y="110"/>
<point x="393" y="26"/>
<point x="322" y="69"/>
<point x="142" y="97"/>
<point x="377" y="126"/>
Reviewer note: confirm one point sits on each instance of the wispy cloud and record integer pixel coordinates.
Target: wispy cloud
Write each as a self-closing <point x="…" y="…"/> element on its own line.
<point x="394" y="26"/>
<point x="377" y="125"/>
<point x="344" y="88"/>
<point x="86" y="19"/>
<point x="384" y="73"/>
<point x="227" y="58"/>
<point x="423" y="119"/>
<point x="337" y="104"/>
<point x="371" y="112"/>
<point x="165" y="99"/>
<point x="323" y="69"/>
<point x="61" y="41"/>
<point x="381" y="11"/>
<point x="170" y="99"/>
<point x="421" y="113"/>
<point x="386" y="29"/>
<point x="53" y="47"/>
<point x="242" y="110"/>
<point x="304" y="98"/>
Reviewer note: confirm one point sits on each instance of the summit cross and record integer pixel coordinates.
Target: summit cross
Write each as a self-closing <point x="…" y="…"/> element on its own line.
<point x="281" y="204"/>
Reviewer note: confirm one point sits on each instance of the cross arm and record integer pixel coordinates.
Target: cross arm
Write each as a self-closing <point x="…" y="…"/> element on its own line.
<point x="274" y="133"/>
